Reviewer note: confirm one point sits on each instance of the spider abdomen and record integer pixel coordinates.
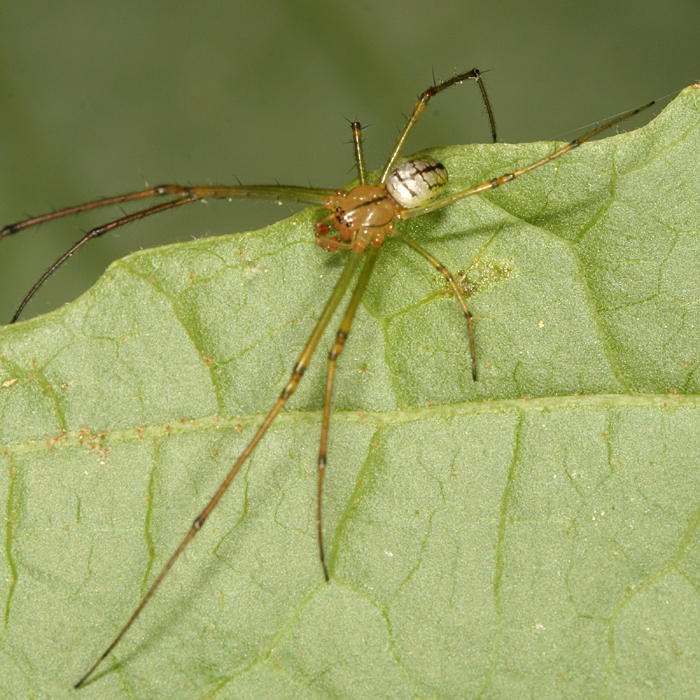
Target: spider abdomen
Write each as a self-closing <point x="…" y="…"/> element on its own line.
<point x="416" y="182"/>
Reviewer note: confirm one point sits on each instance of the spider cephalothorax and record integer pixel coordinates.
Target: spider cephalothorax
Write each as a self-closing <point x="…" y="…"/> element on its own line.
<point x="365" y="214"/>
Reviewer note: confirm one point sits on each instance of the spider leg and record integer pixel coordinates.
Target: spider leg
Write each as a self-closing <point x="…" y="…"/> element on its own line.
<point x="336" y="349"/>
<point x="359" y="158"/>
<point x="455" y="288"/>
<point x="309" y="195"/>
<point x="473" y="74"/>
<point x="507" y="177"/>
<point x="302" y="363"/>
<point x="93" y="233"/>
<point x="185" y="195"/>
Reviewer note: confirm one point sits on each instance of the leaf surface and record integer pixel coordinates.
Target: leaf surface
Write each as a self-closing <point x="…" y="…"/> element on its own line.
<point x="533" y="533"/>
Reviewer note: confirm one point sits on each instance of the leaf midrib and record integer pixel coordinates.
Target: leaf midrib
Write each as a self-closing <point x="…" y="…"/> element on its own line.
<point x="543" y="404"/>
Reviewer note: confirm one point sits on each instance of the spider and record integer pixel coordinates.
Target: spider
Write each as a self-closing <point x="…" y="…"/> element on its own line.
<point x="357" y="220"/>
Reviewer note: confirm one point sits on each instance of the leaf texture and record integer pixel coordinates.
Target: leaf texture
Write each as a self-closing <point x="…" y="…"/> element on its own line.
<point x="533" y="533"/>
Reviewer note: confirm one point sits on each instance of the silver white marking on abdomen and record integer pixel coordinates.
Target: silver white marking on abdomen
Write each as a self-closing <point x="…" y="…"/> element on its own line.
<point x="416" y="182"/>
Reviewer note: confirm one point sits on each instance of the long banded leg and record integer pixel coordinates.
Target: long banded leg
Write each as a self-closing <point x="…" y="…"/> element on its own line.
<point x="473" y="74"/>
<point x="185" y="195"/>
<point x="507" y="177"/>
<point x="302" y="363"/>
<point x="455" y="288"/>
<point x="99" y="231"/>
<point x="340" y="338"/>
<point x="309" y="195"/>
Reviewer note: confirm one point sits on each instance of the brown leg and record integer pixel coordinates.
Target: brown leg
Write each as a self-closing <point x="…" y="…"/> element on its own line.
<point x="299" y="368"/>
<point x="507" y="177"/>
<point x="338" y="345"/>
<point x="185" y="195"/>
<point x="455" y="288"/>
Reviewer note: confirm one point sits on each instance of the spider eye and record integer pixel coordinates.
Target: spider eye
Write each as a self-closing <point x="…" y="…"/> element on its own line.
<point x="416" y="182"/>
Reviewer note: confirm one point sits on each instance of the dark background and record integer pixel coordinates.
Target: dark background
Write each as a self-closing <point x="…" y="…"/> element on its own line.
<point x="103" y="97"/>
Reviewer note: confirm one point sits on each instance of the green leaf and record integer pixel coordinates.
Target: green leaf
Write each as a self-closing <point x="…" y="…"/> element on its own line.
<point x="530" y="534"/>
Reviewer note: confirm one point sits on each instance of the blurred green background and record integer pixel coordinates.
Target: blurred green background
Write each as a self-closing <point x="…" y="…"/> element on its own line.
<point x="103" y="97"/>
